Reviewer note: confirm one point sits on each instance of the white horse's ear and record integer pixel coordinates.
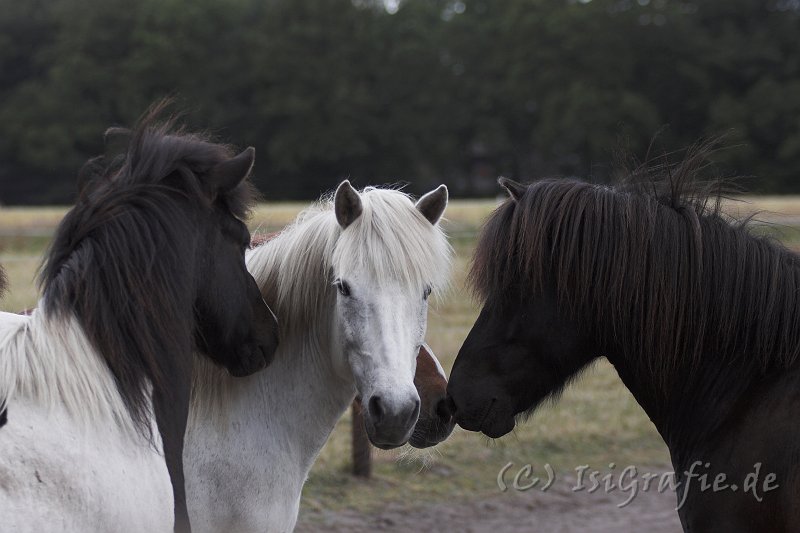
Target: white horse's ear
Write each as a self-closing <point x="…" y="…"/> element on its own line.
<point x="432" y="205"/>
<point x="227" y="175"/>
<point x="515" y="190"/>
<point x="347" y="204"/>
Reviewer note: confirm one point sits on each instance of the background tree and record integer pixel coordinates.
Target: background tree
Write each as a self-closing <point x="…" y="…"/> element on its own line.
<point x="418" y="91"/>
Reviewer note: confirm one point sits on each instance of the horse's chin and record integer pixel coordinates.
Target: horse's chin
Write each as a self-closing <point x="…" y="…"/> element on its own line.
<point x="421" y="444"/>
<point x="386" y="446"/>
<point x="430" y="432"/>
<point x="498" y="427"/>
<point x="386" y="442"/>
<point x="493" y="420"/>
<point x="250" y="358"/>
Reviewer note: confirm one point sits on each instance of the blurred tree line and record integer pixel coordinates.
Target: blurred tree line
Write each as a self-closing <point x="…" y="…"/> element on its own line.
<point x="423" y="91"/>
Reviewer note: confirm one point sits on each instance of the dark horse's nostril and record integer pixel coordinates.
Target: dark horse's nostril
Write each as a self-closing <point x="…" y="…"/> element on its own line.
<point x="443" y="408"/>
<point x="447" y="408"/>
<point x="375" y="409"/>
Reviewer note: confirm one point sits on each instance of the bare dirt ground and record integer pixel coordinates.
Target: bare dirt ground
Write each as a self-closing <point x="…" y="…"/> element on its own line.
<point x="558" y="510"/>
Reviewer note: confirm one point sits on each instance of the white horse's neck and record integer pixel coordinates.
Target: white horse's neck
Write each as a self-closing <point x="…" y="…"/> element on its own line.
<point x="266" y="429"/>
<point x="246" y="464"/>
<point x="49" y="361"/>
<point x="286" y="412"/>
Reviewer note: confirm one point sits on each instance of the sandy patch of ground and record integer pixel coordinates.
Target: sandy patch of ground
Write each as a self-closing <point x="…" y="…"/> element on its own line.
<point x="557" y="510"/>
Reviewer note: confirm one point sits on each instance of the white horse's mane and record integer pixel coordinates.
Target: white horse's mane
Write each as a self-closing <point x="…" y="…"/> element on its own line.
<point x="391" y="241"/>
<point x="50" y="362"/>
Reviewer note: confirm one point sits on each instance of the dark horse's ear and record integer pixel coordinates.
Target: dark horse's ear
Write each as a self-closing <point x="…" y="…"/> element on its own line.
<point x="227" y="175"/>
<point x="347" y="204"/>
<point x="432" y="204"/>
<point x="515" y="190"/>
<point x="116" y="140"/>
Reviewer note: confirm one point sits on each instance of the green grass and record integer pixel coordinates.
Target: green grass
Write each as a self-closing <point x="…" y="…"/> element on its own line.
<point x="595" y="422"/>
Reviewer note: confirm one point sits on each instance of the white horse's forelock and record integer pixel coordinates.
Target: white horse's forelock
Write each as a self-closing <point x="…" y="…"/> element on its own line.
<point x="49" y="361"/>
<point x="391" y="242"/>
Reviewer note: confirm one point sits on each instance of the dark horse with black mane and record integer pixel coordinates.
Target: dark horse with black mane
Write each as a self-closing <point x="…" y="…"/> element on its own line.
<point x="700" y="318"/>
<point x="143" y="273"/>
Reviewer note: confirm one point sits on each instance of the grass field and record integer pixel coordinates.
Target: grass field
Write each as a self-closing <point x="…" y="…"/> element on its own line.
<point x="596" y="421"/>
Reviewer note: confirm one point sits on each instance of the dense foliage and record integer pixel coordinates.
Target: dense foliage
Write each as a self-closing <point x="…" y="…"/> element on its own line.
<point x="423" y="91"/>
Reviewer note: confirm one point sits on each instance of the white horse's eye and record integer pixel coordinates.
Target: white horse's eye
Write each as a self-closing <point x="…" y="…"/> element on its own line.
<point x="427" y="292"/>
<point x="342" y="287"/>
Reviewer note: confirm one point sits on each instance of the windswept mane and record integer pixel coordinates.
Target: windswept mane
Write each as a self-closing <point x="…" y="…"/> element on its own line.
<point x="391" y="240"/>
<point x="116" y="264"/>
<point x="653" y="264"/>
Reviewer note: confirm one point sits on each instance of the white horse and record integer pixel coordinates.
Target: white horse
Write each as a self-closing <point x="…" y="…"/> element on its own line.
<point x="350" y="282"/>
<point x="145" y="269"/>
<point x="71" y="458"/>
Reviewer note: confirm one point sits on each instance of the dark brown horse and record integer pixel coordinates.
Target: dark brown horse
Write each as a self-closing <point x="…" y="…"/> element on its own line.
<point x="150" y="262"/>
<point x="700" y="318"/>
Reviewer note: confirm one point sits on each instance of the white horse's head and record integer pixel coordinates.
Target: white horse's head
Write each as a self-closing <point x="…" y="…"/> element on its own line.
<point x="391" y="255"/>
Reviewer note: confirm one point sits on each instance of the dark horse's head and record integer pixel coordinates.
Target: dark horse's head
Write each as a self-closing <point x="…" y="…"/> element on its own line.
<point x="521" y="348"/>
<point x="638" y="272"/>
<point x="150" y="262"/>
<point x="648" y="273"/>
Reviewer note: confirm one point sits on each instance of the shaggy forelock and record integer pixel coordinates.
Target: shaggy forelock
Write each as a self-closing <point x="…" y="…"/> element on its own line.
<point x="394" y="243"/>
<point x="391" y="242"/>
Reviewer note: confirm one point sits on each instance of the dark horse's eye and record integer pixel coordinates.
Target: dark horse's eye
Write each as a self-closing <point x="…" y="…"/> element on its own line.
<point x="343" y="287"/>
<point x="427" y="292"/>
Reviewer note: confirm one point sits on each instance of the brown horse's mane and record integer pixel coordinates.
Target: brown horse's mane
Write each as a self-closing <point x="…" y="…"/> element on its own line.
<point x="652" y="264"/>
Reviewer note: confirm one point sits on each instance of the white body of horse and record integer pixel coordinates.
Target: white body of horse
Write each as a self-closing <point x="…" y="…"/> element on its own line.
<point x="251" y="442"/>
<point x="70" y="458"/>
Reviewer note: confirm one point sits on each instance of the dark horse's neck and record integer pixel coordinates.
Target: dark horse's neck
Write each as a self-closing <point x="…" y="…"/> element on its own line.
<point x="124" y="265"/>
<point x="738" y="337"/>
<point x="695" y="406"/>
<point x="730" y="408"/>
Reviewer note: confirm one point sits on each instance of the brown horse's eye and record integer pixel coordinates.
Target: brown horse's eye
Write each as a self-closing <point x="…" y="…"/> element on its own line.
<point x="427" y="292"/>
<point x="342" y="287"/>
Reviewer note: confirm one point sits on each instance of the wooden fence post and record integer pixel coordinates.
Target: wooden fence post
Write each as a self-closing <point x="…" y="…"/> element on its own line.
<point x="361" y="448"/>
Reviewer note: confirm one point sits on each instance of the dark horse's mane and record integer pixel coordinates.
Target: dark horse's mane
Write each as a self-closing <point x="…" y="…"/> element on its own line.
<point x="654" y="264"/>
<point x="117" y="262"/>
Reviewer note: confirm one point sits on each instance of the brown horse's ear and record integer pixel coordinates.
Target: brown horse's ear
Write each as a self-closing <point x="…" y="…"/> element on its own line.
<point x="515" y="190"/>
<point x="347" y="204"/>
<point x="227" y="175"/>
<point x="432" y="205"/>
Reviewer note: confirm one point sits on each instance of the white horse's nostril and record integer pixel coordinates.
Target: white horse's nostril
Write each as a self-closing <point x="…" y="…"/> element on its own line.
<point x="376" y="410"/>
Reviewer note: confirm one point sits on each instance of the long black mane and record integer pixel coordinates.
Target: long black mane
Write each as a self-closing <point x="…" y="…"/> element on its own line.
<point x="654" y="264"/>
<point x="119" y="258"/>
